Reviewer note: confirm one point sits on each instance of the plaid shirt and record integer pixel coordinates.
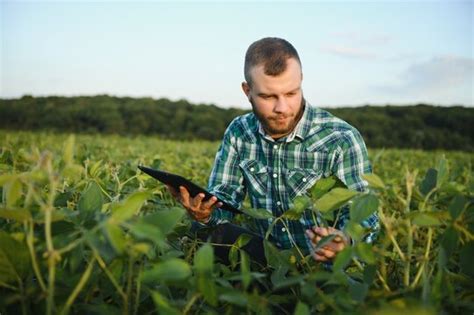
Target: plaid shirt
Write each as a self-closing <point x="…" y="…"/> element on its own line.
<point x="274" y="172"/>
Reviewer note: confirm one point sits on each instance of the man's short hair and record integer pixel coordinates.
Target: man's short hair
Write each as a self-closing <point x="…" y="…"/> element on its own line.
<point x="272" y="52"/>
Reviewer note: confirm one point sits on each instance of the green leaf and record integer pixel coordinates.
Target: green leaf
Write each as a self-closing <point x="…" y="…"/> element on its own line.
<point x="68" y="154"/>
<point x="324" y="241"/>
<point x="203" y="264"/>
<point x="301" y="309"/>
<point x="13" y="192"/>
<point x="91" y="201"/>
<point x="162" y="304"/>
<point x="374" y="181"/>
<point x="165" y="220"/>
<point x="343" y="258"/>
<point x="258" y="213"/>
<point x="369" y="274"/>
<point x="334" y="199"/>
<point x="466" y="259"/>
<point x="204" y="259"/>
<point x="148" y="232"/>
<point x="245" y="269"/>
<point x="14" y="259"/>
<point x="456" y="206"/>
<point x="449" y="240"/>
<point x="354" y="230"/>
<point x="425" y="219"/>
<point x="242" y="240"/>
<point x="208" y="289"/>
<point x="429" y="182"/>
<point x="95" y="168"/>
<point x="129" y="207"/>
<point x="358" y="291"/>
<point x="72" y="172"/>
<point x="116" y="237"/>
<point x="5" y="178"/>
<point x="233" y="256"/>
<point x="363" y="206"/>
<point x="173" y="269"/>
<point x="365" y="252"/>
<point x="322" y="186"/>
<point x="300" y="204"/>
<point x="19" y="215"/>
<point x="234" y="297"/>
<point x="442" y="171"/>
<point x="288" y="281"/>
<point x="275" y="258"/>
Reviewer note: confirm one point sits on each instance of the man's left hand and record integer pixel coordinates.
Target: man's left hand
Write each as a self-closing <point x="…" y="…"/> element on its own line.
<point x="329" y="251"/>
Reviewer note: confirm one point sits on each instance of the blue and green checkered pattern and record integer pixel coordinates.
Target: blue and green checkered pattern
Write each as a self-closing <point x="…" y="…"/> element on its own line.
<point x="273" y="172"/>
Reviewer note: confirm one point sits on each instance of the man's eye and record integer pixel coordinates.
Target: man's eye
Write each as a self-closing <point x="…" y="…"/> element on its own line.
<point x="291" y="94"/>
<point x="265" y="97"/>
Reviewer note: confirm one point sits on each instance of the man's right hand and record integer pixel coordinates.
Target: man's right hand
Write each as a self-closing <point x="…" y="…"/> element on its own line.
<point x="197" y="209"/>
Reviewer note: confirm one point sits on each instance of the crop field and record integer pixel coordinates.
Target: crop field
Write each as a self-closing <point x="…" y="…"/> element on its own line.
<point x="83" y="231"/>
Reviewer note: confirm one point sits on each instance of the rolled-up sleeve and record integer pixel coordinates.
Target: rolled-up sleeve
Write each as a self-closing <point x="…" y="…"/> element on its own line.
<point x="226" y="179"/>
<point x="352" y="164"/>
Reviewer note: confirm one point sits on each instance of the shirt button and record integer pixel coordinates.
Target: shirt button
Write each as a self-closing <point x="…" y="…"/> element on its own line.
<point x="304" y="180"/>
<point x="252" y="169"/>
<point x="283" y="229"/>
<point x="275" y="146"/>
<point x="278" y="203"/>
<point x="275" y="175"/>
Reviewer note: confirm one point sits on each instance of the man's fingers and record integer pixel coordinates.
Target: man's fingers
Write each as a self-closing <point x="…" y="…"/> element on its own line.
<point x="318" y="257"/>
<point x="322" y="231"/>
<point x="209" y="203"/>
<point x="184" y="197"/>
<point x="311" y="236"/>
<point x="329" y="254"/>
<point x="196" y="201"/>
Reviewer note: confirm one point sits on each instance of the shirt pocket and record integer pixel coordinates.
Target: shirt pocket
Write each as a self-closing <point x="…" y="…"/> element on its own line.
<point x="256" y="175"/>
<point x="299" y="180"/>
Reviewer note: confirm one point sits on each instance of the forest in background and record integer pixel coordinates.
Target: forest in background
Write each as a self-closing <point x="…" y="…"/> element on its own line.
<point x="418" y="126"/>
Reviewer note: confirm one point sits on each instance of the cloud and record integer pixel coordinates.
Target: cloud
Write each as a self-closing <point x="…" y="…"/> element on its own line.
<point x="432" y="76"/>
<point x="351" y="52"/>
<point x="356" y="44"/>
<point x="358" y="38"/>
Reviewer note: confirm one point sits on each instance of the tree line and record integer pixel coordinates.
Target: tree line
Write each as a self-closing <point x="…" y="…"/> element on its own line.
<point x="419" y="126"/>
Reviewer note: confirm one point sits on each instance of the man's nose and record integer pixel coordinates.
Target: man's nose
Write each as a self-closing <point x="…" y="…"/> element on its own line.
<point x="280" y="106"/>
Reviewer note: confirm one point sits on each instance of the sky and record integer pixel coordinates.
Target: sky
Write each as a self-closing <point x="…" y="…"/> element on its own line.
<point x="353" y="53"/>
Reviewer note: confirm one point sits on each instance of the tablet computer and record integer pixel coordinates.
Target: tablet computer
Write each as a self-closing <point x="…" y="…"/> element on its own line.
<point x="175" y="181"/>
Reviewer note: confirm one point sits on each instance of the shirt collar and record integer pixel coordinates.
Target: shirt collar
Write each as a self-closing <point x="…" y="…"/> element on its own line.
<point x="300" y="131"/>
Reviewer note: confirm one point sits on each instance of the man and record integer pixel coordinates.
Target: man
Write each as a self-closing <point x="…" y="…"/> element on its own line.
<point x="277" y="153"/>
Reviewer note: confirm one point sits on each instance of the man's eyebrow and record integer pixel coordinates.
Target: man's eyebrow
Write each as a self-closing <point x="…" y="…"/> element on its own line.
<point x="271" y="94"/>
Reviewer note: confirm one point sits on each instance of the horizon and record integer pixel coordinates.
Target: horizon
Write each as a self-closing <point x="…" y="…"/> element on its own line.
<point x="240" y="108"/>
<point x="353" y="53"/>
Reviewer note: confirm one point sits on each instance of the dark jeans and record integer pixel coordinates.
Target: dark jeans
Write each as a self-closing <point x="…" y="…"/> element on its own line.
<point x="227" y="234"/>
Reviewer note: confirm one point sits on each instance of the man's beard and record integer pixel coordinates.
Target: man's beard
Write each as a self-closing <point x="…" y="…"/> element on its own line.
<point x="269" y="123"/>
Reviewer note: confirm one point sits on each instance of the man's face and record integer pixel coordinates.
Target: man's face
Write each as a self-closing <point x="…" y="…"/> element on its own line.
<point x="277" y="101"/>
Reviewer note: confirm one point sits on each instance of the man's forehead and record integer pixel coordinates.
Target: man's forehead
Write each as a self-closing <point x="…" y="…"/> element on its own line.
<point x="287" y="81"/>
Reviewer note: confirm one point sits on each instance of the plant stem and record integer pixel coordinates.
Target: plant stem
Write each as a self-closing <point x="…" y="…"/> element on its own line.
<point x="129" y="283"/>
<point x="80" y="285"/>
<point x="193" y="299"/>
<point x="139" y="286"/>
<point x="109" y="275"/>
<point x="384" y="283"/>
<point x="425" y="258"/>
<point x="390" y="235"/>
<point x="30" y="242"/>
<point x="51" y="261"/>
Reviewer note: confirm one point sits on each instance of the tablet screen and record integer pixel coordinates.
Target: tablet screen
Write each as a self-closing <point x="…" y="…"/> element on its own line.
<point x="175" y="181"/>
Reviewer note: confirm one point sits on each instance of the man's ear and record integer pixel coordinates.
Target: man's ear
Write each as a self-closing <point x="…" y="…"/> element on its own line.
<point x="246" y="89"/>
